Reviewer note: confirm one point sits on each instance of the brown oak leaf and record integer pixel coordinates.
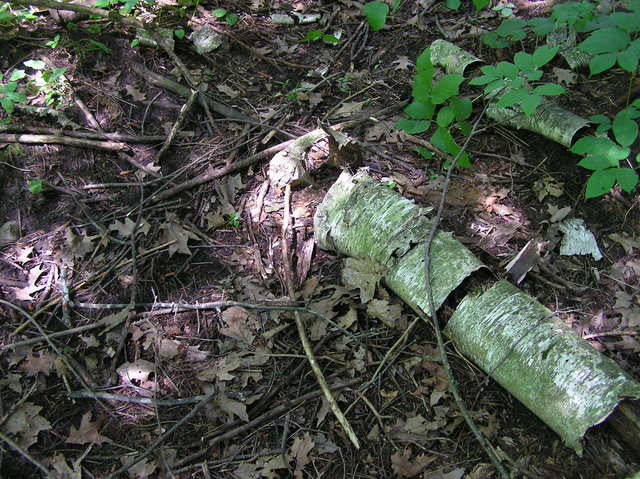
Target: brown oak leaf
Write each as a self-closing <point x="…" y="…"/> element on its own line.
<point x="87" y="432"/>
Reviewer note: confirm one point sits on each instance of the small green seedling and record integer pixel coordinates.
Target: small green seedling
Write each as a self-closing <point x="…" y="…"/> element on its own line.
<point x="36" y="186"/>
<point x="9" y="96"/>
<point x="505" y="10"/>
<point x="439" y="101"/>
<point x="602" y="155"/>
<point x="512" y="80"/>
<point x="179" y="33"/>
<point x="376" y="14"/>
<point x="315" y="35"/>
<point x="230" y="18"/>
<point x="234" y="220"/>
<point x="54" y="43"/>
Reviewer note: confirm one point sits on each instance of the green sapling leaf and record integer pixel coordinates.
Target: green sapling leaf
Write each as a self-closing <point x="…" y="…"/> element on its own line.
<point x="627" y="178"/>
<point x="424" y="64"/>
<point x="420" y="111"/>
<point x="453" y="4"/>
<point x="480" y="4"/>
<point x="313" y="35"/>
<point x="330" y="39"/>
<point x="231" y="18"/>
<point x="17" y="75"/>
<point x="512" y="97"/>
<point x="530" y="103"/>
<point x="524" y="61"/>
<point x="628" y="60"/>
<point x="376" y="13"/>
<point x="462" y="108"/>
<point x="599" y="183"/>
<point x="445" y="116"/>
<point x="36" y="186"/>
<point x="625" y="129"/>
<point x="605" y="40"/>
<point x="596" y="163"/>
<point x="423" y="152"/>
<point x="445" y="88"/>
<point x="35" y="64"/>
<point x="219" y="12"/>
<point x="412" y="127"/>
<point x="601" y="63"/>
<point x="508" y="70"/>
<point x="422" y="87"/>
<point x="599" y="146"/>
<point x="544" y="55"/>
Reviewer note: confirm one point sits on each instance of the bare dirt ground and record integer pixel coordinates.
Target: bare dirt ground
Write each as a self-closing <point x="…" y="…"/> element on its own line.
<point x="98" y="300"/>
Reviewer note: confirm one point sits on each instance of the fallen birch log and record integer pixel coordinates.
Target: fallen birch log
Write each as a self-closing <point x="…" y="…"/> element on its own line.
<point x="509" y="334"/>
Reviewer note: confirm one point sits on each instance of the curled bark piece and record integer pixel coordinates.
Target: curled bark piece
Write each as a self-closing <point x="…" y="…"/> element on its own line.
<point x="549" y="120"/>
<point x="363" y="218"/>
<point x="540" y="360"/>
<point x="451" y="57"/>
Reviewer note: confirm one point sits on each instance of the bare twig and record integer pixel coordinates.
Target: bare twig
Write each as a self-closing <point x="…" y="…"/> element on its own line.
<point x="306" y="345"/>
<point x="434" y="317"/>
<point x="61" y="140"/>
<point x="273" y="412"/>
<point x="119" y="137"/>
<point x="25" y="454"/>
<point x="178" y="124"/>
<point x="134" y="400"/>
<point x="163" y="437"/>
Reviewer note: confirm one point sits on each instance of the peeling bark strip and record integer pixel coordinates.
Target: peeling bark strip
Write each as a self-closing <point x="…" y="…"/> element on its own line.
<point x="511" y="336"/>
<point x="365" y="219"/>
<point x="540" y="360"/>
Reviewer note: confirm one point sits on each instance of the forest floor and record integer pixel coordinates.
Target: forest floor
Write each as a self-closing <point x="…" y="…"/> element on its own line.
<point x="147" y="298"/>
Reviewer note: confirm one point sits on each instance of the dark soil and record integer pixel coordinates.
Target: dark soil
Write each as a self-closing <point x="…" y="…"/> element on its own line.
<point x="73" y="262"/>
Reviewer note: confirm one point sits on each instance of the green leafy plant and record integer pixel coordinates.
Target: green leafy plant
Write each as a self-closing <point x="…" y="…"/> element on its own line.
<point x="230" y="18"/>
<point x="505" y="9"/>
<point x="512" y="79"/>
<point x="315" y="35"/>
<point x="234" y="220"/>
<point x="376" y="14"/>
<point x="602" y="155"/>
<point x="343" y="84"/>
<point x="36" y="186"/>
<point x="509" y="31"/>
<point x="437" y="99"/>
<point x="8" y="16"/>
<point x="9" y="95"/>
<point x="54" y="43"/>
<point x="179" y="33"/>
<point x="612" y="45"/>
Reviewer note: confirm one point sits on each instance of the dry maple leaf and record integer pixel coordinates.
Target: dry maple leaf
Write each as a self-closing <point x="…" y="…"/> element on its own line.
<point x="232" y="407"/>
<point x="406" y="466"/>
<point x="26" y="423"/>
<point x="134" y="93"/>
<point x="41" y="362"/>
<point x="141" y="470"/>
<point x="238" y="324"/>
<point x="63" y="471"/>
<point x="87" y="432"/>
<point x="402" y="63"/>
<point x="300" y="452"/>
